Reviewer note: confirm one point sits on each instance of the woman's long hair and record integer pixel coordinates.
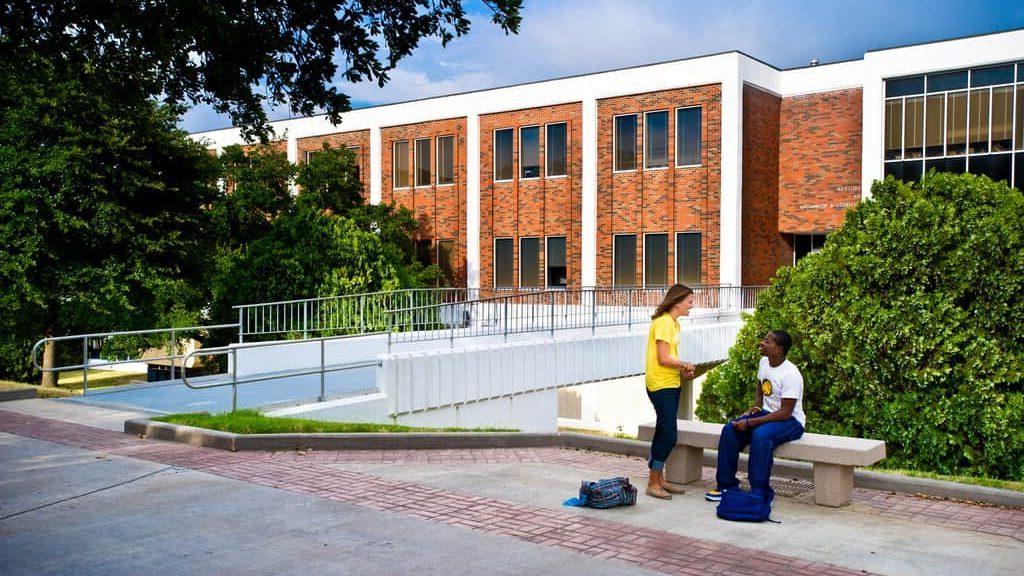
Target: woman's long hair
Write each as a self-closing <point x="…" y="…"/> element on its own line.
<point x="675" y="295"/>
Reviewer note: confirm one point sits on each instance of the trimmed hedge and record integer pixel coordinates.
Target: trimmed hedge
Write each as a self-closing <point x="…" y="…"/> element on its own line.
<point x="908" y="326"/>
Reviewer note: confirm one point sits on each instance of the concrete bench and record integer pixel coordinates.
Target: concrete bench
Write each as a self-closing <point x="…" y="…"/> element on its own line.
<point x="834" y="457"/>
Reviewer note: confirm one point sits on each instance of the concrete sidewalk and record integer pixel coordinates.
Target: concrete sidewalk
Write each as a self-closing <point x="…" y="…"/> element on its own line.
<point x="456" y="511"/>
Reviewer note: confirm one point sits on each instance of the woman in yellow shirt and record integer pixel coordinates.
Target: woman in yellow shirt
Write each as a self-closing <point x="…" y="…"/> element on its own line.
<point x="664" y="375"/>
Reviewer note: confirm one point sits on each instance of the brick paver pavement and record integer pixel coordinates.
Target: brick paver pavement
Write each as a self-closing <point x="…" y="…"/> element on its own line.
<point x="312" y="473"/>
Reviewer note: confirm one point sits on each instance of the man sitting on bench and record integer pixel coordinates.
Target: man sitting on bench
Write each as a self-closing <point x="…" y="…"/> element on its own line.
<point x="777" y="417"/>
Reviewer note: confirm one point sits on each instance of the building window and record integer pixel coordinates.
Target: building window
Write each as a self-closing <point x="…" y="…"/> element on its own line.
<point x="555" y="147"/>
<point x="401" y="162"/>
<point x="656" y="139"/>
<point x="625" y="142"/>
<point x="688" y="263"/>
<point x="555" y="263"/>
<point x="529" y="152"/>
<point x="310" y="154"/>
<point x="804" y="244"/>
<point x="529" y="262"/>
<point x="446" y="258"/>
<point x="446" y="160"/>
<point x="355" y="150"/>
<point x="957" y="121"/>
<point x="503" y="154"/>
<point x="688" y="136"/>
<point x="656" y="260"/>
<point x="424" y="252"/>
<point x="423" y="162"/>
<point x="504" y="263"/>
<point x="624" y="260"/>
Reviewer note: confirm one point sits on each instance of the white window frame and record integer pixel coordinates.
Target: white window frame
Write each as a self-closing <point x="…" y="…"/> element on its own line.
<point x="416" y="164"/>
<point x="643" y="259"/>
<point x="811" y="234"/>
<point x="615" y="141"/>
<point x="667" y="138"/>
<point x="309" y="154"/>
<point x="494" y="155"/>
<point x="437" y="156"/>
<point x="394" y="167"/>
<point x="540" y="164"/>
<point x="700" y="129"/>
<point x="519" y="268"/>
<point x="675" y="262"/>
<point x="634" y="235"/>
<point x="546" y="260"/>
<point x="545" y="154"/>
<point x="494" y="260"/>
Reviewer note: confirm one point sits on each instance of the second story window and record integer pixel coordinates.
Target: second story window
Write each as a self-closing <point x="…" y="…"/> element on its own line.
<point x="446" y="160"/>
<point x="355" y="150"/>
<point x="555" y="148"/>
<point x="529" y="152"/>
<point x="656" y="139"/>
<point x="423" y="162"/>
<point x="688" y="138"/>
<point x="625" y="142"/>
<point x="503" y="154"/>
<point x="401" y="161"/>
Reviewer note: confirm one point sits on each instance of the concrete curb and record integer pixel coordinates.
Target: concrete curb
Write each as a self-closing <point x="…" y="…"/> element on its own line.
<point x="469" y="440"/>
<point x="18" y="394"/>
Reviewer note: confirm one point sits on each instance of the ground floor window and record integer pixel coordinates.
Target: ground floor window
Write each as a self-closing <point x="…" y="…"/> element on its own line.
<point x="555" y="263"/>
<point x="688" y="262"/>
<point x="804" y="244"/>
<point x="624" y="260"/>
<point x="446" y="259"/>
<point x="655" y="259"/>
<point x="529" y="262"/>
<point x="504" y="263"/>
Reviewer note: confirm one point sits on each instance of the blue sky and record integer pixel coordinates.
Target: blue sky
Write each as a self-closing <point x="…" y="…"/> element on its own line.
<point x="566" y="37"/>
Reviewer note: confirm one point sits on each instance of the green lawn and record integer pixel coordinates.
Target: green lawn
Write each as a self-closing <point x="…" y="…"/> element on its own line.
<point x="72" y="379"/>
<point x="974" y="480"/>
<point x="252" y="422"/>
<point x="40" y="391"/>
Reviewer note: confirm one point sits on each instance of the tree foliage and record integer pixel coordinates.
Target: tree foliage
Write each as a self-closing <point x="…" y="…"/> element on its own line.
<point x="239" y="56"/>
<point x="908" y="327"/>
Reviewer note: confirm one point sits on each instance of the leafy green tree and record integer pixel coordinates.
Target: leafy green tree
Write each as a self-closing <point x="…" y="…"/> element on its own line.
<point x="908" y="327"/>
<point x="240" y="56"/>
<point x="100" y="211"/>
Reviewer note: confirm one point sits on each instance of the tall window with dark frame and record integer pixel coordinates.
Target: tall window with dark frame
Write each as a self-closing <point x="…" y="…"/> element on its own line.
<point x="656" y="260"/>
<point x="625" y="142"/>
<point x="446" y="259"/>
<point x="424" y="252"/>
<point x="529" y="262"/>
<point x="656" y="139"/>
<point x="624" y="256"/>
<point x="356" y="153"/>
<point x="401" y="164"/>
<point x="503" y="154"/>
<point x="957" y="121"/>
<point x="445" y="160"/>
<point x="555" y="148"/>
<point x="423" y="162"/>
<point x="688" y="263"/>
<point x="529" y="152"/>
<point x="688" y="136"/>
<point x="555" y="263"/>
<point x="504" y="263"/>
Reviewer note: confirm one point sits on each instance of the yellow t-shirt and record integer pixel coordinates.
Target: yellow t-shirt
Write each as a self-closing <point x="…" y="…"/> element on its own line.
<point x="659" y="377"/>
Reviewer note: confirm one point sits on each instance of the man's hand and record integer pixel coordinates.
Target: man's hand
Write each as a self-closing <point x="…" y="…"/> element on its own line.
<point x="752" y="410"/>
<point x="741" y="425"/>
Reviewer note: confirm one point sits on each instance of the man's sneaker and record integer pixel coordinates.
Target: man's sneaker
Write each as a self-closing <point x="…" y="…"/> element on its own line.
<point x="713" y="495"/>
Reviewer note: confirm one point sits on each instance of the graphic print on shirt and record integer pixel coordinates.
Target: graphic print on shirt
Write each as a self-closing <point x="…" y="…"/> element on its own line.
<point x="766" y="387"/>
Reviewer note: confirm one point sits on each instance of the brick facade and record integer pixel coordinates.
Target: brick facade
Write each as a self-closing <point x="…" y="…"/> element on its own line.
<point x="439" y="209"/>
<point x="534" y="207"/>
<point x="819" y="159"/>
<point x="359" y="139"/>
<point x="764" y="249"/>
<point x="676" y="199"/>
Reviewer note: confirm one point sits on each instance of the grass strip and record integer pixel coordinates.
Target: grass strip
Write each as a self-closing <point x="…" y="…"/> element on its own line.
<point x="972" y="480"/>
<point x="253" y="422"/>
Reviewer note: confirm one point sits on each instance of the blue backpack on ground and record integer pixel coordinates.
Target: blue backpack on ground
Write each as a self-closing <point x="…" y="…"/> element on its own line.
<point x="742" y="506"/>
<point x="607" y="493"/>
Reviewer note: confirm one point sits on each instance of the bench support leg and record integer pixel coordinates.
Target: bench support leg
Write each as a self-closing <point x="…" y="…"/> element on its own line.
<point x="684" y="465"/>
<point x="833" y="484"/>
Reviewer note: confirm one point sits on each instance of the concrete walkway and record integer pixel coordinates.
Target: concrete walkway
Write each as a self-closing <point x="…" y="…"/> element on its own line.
<point x="112" y="503"/>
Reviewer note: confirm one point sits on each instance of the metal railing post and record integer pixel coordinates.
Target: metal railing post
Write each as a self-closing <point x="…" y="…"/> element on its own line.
<point x="305" y="320"/>
<point x="322" y="370"/>
<point x="85" y="366"/>
<point x="234" y="380"/>
<point x="629" y="306"/>
<point x="362" y="311"/>
<point x="174" y="347"/>
<point x="593" y="311"/>
<point x="241" y="325"/>
<point x="504" y="320"/>
<point x="552" y="293"/>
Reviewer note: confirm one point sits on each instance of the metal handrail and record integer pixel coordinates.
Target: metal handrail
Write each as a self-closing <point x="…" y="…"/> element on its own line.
<point x="323" y="370"/>
<point x="339" y="296"/>
<point x="84" y="366"/>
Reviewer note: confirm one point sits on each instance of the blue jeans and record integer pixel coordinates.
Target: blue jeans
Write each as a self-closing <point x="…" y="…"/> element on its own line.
<point x="763" y="440"/>
<point x="666" y="406"/>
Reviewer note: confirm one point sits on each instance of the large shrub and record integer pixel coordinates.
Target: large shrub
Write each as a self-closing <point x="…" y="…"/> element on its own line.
<point x="908" y="327"/>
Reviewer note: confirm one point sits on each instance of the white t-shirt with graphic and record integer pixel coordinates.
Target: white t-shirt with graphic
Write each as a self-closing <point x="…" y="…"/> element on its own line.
<point x="782" y="381"/>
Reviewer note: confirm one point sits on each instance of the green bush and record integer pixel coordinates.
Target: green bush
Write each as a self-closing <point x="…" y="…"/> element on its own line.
<point x="908" y="326"/>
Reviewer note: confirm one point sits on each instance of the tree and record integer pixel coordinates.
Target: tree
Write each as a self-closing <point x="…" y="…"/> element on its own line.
<point x="322" y="242"/>
<point x="908" y="327"/>
<point x="100" y="210"/>
<point x="239" y="56"/>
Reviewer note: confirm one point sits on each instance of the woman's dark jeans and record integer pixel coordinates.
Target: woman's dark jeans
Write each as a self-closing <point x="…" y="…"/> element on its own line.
<point x="666" y="406"/>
